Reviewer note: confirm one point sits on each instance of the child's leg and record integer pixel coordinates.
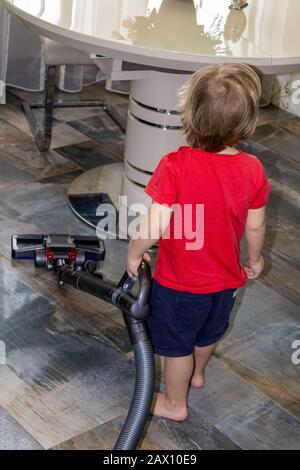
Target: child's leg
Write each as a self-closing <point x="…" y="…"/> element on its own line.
<point x="173" y="403"/>
<point x="212" y="331"/>
<point x="202" y="357"/>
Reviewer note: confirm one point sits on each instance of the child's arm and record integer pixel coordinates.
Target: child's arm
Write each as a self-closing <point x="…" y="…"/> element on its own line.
<point x="255" y="237"/>
<point x="151" y="229"/>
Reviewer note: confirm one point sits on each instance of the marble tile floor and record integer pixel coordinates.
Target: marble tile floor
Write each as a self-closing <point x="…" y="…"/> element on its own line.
<point x="69" y="372"/>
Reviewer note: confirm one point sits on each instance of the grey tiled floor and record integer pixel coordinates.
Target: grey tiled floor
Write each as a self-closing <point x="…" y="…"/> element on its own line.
<point x="13" y="436"/>
<point x="69" y="371"/>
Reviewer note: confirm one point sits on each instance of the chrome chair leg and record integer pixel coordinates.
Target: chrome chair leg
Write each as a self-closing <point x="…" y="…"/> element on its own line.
<point x="43" y="136"/>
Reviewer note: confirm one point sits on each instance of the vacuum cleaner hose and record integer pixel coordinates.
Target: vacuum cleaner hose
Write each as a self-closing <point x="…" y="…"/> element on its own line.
<point x="143" y="352"/>
<point x="142" y="398"/>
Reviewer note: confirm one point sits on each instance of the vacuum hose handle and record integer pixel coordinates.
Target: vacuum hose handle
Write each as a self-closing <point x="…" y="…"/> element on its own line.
<point x="140" y="309"/>
<point x="137" y="307"/>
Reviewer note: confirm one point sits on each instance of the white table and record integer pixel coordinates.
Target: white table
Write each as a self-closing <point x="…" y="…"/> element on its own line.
<point x="156" y="44"/>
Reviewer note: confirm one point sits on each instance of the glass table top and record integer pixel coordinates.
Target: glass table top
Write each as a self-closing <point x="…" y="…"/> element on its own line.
<point x="265" y="28"/>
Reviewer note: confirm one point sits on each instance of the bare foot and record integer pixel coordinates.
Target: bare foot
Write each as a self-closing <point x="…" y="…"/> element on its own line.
<point x="164" y="410"/>
<point x="198" y="381"/>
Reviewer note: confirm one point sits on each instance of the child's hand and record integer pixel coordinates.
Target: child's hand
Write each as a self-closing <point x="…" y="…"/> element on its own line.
<point x="133" y="263"/>
<point x="254" y="269"/>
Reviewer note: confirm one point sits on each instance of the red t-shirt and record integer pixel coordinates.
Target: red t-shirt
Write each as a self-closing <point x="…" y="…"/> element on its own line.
<point x="214" y="193"/>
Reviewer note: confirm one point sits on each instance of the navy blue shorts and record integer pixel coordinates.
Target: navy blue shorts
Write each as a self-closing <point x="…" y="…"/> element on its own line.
<point x="179" y="321"/>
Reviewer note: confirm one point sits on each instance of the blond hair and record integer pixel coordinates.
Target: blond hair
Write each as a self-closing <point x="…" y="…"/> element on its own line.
<point x="219" y="106"/>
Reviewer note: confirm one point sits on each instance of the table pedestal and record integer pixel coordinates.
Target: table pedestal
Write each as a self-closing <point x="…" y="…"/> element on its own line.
<point x="153" y="130"/>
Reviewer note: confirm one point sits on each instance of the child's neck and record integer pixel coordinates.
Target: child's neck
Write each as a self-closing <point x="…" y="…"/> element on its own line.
<point x="229" y="151"/>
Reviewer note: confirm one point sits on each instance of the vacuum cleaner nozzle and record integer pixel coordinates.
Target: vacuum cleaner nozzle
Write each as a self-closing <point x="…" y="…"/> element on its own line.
<point x="53" y="251"/>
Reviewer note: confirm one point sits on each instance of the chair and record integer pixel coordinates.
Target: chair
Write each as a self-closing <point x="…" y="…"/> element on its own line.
<point x="55" y="54"/>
